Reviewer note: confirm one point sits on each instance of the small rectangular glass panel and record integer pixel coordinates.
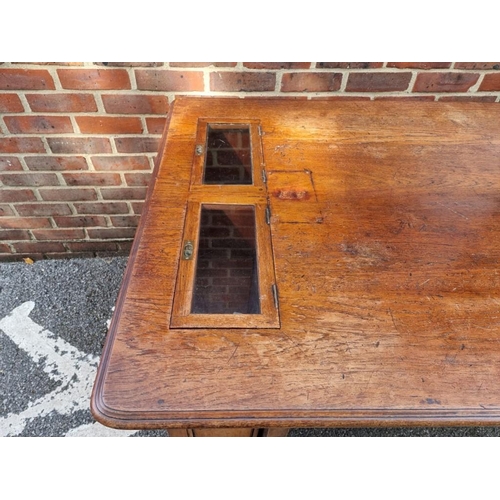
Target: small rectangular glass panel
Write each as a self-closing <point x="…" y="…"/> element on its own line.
<point x="226" y="280"/>
<point x="228" y="159"/>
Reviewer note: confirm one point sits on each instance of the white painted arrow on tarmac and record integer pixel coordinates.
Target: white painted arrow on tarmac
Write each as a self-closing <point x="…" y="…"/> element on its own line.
<point x="63" y="363"/>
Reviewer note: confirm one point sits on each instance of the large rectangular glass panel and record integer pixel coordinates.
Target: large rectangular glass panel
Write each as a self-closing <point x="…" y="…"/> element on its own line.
<point x="228" y="158"/>
<point x="226" y="279"/>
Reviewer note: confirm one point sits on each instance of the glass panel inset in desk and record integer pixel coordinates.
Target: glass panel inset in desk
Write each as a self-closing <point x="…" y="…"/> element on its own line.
<point x="226" y="279"/>
<point x="228" y="158"/>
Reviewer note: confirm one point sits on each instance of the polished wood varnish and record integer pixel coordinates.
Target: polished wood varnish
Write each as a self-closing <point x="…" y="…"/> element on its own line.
<point x="379" y="280"/>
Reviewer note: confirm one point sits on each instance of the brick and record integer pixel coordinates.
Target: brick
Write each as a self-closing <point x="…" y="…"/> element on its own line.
<point x="130" y="64"/>
<point x="52" y="63"/>
<point x="38" y="124"/>
<point x="25" y="79"/>
<point x="67" y="255"/>
<point x="101" y="208"/>
<point x="241" y="81"/>
<point x="125" y="220"/>
<point x="24" y="222"/>
<point x="491" y="82"/>
<point x="156" y="125"/>
<point x="202" y="64"/>
<point x="28" y="179"/>
<point x="468" y="98"/>
<point x="81" y="221"/>
<point x="349" y="65"/>
<point x="61" y="103"/>
<point x="277" y="65"/>
<point x="79" y="145"/>
<point x="112" y="233"/>
<point x="35" y="209"/>
<point x="137" y="207"/>
<point x="341" y="98"/>
<point x="10" y="103"/>
<point x="94" y="79"/>
<point x="287" y="97"/>
<point x="4" y="248"/>
<point x="445" y="82"/>
<point x="109" y="125"/>
<point x="137" y="144"/>
<point x="419" y="65"/>
<point x="136" y="104"/>
<point x="68" y="194"/>
<point x="311" y="82"/>
<point x="169" y="81"/>
<point x="18" y="257"/>
<point x="125" y="247"/>
<point x="21" y="145"/>
<point x="211" y="273"/>
<point x="51" y="163"/>
<point x="121" y="163"/>
<point x="378" y="82"/>
<point x="214" y="232"/>
<point x="141" y="179"/>
<point x="6" y="211"/>
<point x="92" y="246"/>
<point x="92" y="179"/>
<point x="134" y="193"/>
<point x="16" y="195"/>
<point x="9" y="163"/>
<point x="59" y="234"/>
<point x="241" y="272"/>
<point x="477" y="65"/>
<point x="406" y="98"/>
<point x="38" y="247"/>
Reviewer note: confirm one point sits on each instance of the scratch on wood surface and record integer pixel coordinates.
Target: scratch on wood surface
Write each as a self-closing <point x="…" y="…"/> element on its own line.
<point x="393" y="321"/>
<point x="234" y="352"/>
<point x="310" y="174"/>
<point x="454" y="211"/>
<point x="297" y="345"/>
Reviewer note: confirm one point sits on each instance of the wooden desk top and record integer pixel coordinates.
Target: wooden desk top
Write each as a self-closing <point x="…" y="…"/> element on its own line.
<point x="385" y="231"/>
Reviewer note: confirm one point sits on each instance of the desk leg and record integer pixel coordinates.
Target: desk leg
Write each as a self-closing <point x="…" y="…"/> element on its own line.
<point x="228" y="432"/>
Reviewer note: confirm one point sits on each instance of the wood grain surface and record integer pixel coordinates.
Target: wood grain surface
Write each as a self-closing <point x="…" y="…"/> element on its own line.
<point x="385" y="233"/>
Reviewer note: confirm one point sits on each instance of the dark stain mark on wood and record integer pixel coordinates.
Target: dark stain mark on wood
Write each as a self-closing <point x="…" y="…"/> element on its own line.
<point x="431" y="401"/>
<point x="291" y="194"/>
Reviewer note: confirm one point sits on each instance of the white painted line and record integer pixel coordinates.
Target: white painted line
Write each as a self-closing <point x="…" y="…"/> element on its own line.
<point x="98" y="430"/>
<point x="64" y="363"/>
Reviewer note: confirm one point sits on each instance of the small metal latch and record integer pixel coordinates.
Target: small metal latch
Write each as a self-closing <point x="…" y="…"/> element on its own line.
<point x="187" y="253"/>
<point x="198" y="149"/>
<point x="275" y="295"/>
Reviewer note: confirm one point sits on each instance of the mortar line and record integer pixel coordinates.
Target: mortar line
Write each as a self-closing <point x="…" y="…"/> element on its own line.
<point x="476" y="86"/>
<point x="411" y="83"/>
<point x="24" y="102"/>
<point x="57" y="83"/>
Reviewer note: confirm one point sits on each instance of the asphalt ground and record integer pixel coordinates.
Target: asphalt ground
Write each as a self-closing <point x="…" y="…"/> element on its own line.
<point x="54" y="316"/>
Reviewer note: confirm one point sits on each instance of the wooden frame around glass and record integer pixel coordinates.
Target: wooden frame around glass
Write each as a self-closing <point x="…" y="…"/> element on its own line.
<point x="254" y="195"/>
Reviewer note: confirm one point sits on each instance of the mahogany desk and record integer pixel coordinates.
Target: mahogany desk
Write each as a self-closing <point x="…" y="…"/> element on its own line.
<point x="362" y="283"/>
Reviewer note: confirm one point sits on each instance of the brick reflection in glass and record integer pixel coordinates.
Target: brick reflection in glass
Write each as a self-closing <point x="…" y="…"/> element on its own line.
<point x="226" y="280"/>
<point x="228" y="159"/>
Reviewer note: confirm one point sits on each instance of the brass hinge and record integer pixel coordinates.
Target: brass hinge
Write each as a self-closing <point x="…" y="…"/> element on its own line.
<point x="268" y="215"/>
<point x="275" y="295"/>
<point x="187" y="252"/>
<point x="264" y="176"/>
<point x="259" y="128"/>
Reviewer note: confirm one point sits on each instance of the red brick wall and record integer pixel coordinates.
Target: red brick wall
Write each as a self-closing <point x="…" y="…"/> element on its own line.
<point x="78" y="140"/>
